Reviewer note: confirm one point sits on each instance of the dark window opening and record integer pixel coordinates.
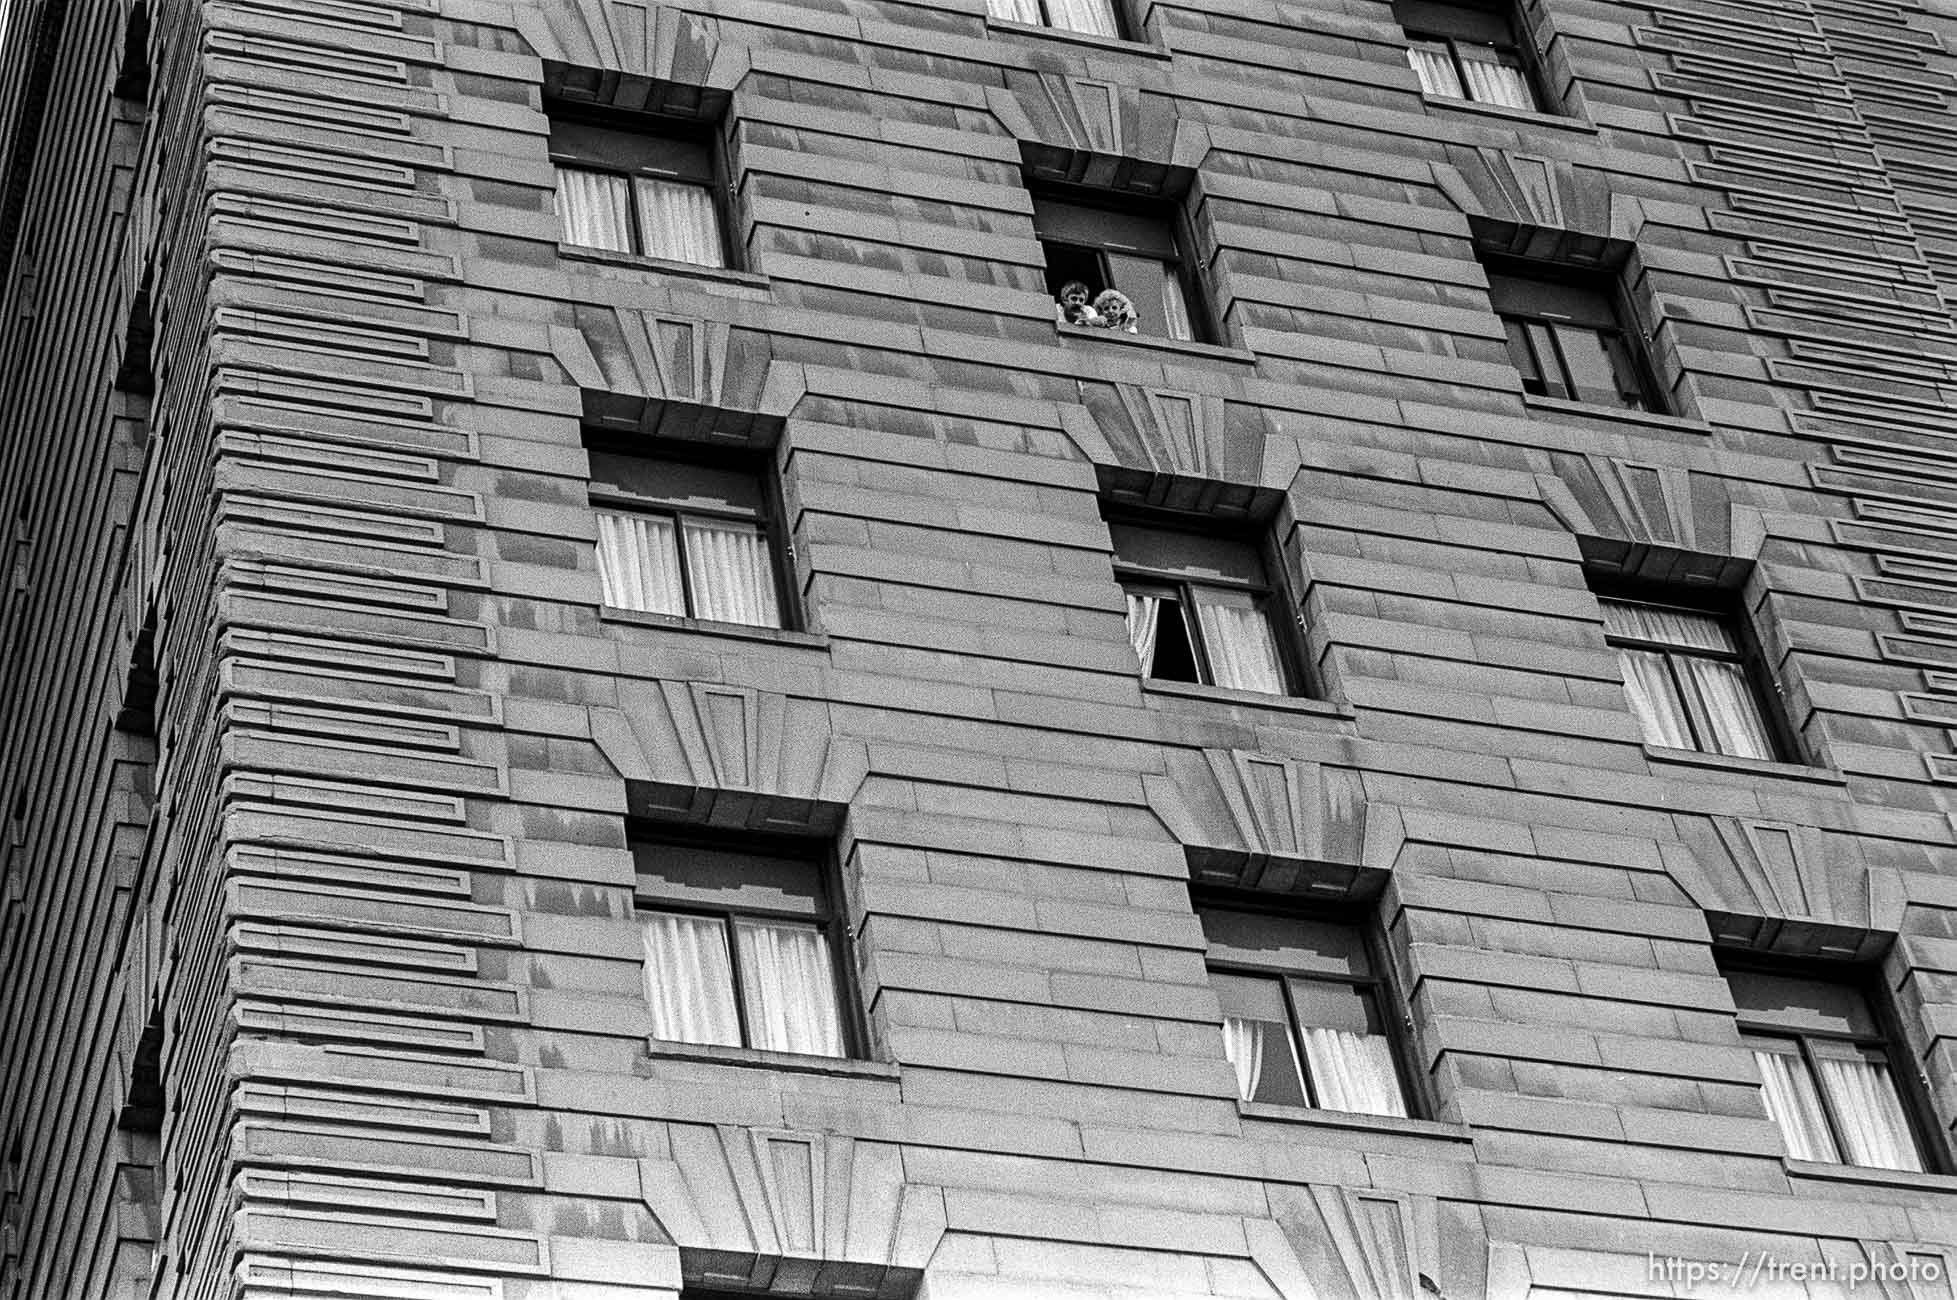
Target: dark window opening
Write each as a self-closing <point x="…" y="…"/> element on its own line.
<point x="1567" y="337"/>
<point x="142" y="1110"/>
<point x="1201" y="608"/>
<point x="1119" y="268"/>
<point x="137" y="716"/>
<point x="136" y="374"/>
<point x="133" y="75"/>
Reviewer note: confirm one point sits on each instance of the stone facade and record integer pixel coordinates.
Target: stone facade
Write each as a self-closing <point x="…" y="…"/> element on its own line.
<point x="316" y="906"/>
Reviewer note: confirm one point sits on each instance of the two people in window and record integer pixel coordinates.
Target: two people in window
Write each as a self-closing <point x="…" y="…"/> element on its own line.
<point x="1110" y="310"/>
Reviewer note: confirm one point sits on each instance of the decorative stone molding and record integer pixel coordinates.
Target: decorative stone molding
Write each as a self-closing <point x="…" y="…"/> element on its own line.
<point x="1257" y="822"/>
<point x="1787" y="889"/>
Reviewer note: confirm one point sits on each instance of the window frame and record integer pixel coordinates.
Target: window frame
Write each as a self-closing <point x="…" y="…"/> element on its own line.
<point x="1723" y="604"/>
<point x="824" y="913"/>
<point x="1618" y="326"/>
<point x="1271" y="593"/>
<point x="646" y="133"/>
<point x="1919" y="1113"/>
<point x="1431" y="20"/>
<point x="769" y="517"/>
<point x="1382" y="987"/>
<point x="1168" y="213"/>
<point x="1122" y="30"/>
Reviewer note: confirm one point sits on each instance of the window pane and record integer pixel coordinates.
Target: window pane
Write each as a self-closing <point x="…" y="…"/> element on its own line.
<point x="1290" y="943"/>
<point x="1731" y="708"/>
<point x="1522" y="355"/>
<point x="1237" y="635"/>
<point x="1792" y="1101"/>
<point x="1549" y="360"/>
<point x="1435" y="67"/>
<point x="1141" y="280"/>
<point x="1593" y="376"/>
<point x="1787" y="1001"/>
<point x="1496" y="77"/>
<point x="1257" y="1039"/>
<point x="789" y="987"/>
<point x="677" y="222"/>
<point x="1175" y="309"/>
<point x="638" y="563"/>
<point x="593" y="209"/>
<point x="1160" y="635"/>
<point x="1347" y="1053"/>
<point x="1168" y="550"/>
<point x="1864" y="1100"/>
<point x="1094" y="17"/>
<point x="731" y="573"/>
<point x="688" y="979"/>
<point x="1654" y="699"/>
<point x="1687" y="628"/>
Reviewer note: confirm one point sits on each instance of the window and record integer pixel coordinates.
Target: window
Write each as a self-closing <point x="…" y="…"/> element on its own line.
<point x="688" y="538"/>
<point x="1465" y="51"/>
<point x="1117" y="269"/>
<point x="1567" y="338"/>
<point x="1092" y="17"/>
<point x="1689" y="678"/>
<point x="1302" y="1015"/>
<point x="649" y="193"/>
<point x="1199" y="608"/>
<point x="1825" y="1065"/>
<point x="741" y="947"/>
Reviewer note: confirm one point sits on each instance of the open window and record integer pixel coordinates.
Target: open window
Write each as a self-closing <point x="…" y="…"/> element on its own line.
<point x="1692" y="671"/>
<point x="1119" y="263"/>
<point x="1305" y="1012"/>
<point x="1568" y="334"/>
<point x="1828" y="1070"/>
<point x="1088" y="17"/>
<point x="1471" y="52"/>
<point x="1202" y="607"/>
<point x="652" y="189"/>
<point x="689" y="534"/>
<point x="742" y="944"/>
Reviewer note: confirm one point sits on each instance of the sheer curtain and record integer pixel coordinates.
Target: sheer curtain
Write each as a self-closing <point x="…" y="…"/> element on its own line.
<point x="1654" y="700"/>
<point x="688" y="979"/>
<point x="1435" y="68"/>
<point x="1721" y="687"/>
<point x="731" y="573"/>
<point x="1243" y="653"/>
<point x="1353" y="1072"/>
<point x="638" y="563"/>
<point x="1874" y="1127"/>
<point x="1094" y="17"/>
<point x="789" y="985"/>
<point x="1243" y="1046"/>
<point x="1144" y="621"/>
<point x="1793" y="1103"/>
<point x="1175" y="308"/>
<point x="1014" y="11"/>
<point x="1495" y="79"/>
<point x="1731" y="709"/>
<point x="593" y="209"/>
<point x="677" y="222"/>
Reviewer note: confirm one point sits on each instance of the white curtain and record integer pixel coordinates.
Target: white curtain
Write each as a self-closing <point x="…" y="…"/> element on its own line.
<point x="1680" y="627"/>
<point x="1793" y="1104"/>
<point x="1731" y="707"/>
<point x="593" y="209"/>
<point x="1491" y="81"/>
<point x="638" y="563"/>
<point x="1015" y="11"/>
<point x="1243" y="1046"/>
<point x="731" y="574"/>
<point x="1353" y="1072"/>
<point x="1144" y="621"/>
<point x="789" y="986"/>
<point x="1653" y="699"/>
<point x="677" y="222"/>
<point x="1243" y="653"/>
<point x="1874" y="1127"/>
<point x="1432" y="64"/>
<point x="1175" y="309"/>
<point x="688" y="979"/>
<point x="1094" y="17"/>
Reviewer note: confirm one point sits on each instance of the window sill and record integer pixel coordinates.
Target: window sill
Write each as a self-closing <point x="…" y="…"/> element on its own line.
<point x="1113" y="44"/>
<point x="1619" y="414"/>
<point x="1255" y="699"/>
<point x="1751" y="766"/>
<point x="709" y="627"/>
<point x="1942" y="1183"/>
<point x="1520" y="116"/>
<point x="665" y="266"/>
<point x="1438" y="1130"/>
<point x="1212" y="350"/>
<point x="755" y="1058"/>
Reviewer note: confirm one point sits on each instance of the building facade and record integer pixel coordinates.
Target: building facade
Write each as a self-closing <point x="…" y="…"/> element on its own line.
<point x="978" y="648"/>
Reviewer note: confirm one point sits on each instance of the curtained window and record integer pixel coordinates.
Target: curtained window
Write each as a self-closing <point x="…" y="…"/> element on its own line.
<point x="685" y="538"/>
<point x="1199" y="608"/>
<point x="1090" y="17"/>
<point x="1302" y="1015"/>
<point x="1566" y="338"/>
<point x="1825" y="1071"/>
<point x="1467" y="51"/>
<point x="740" y="949"/>
<point x="1132" y="246"/>
<point x="1688" y="679"/>
<point x="651" y="192"/>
